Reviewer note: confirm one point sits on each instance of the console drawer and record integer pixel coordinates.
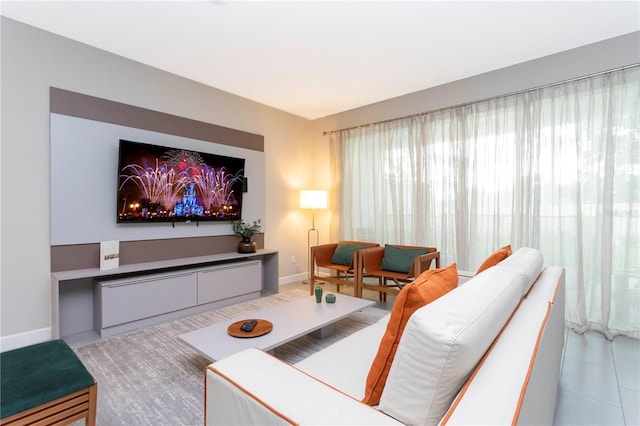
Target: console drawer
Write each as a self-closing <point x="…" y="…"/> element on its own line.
<point x="131" y="299"/>
<point x="230" y="280"/>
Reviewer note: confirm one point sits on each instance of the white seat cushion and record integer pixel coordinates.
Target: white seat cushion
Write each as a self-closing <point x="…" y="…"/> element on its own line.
<point x="345" y="364"/>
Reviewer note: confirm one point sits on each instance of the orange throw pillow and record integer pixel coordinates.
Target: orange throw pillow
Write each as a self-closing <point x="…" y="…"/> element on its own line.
<point x="426" y="288"/>
<point x="495" y="258"/>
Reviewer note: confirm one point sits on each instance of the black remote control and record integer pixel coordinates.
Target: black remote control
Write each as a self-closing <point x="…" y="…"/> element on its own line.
<point x="248" y="325"/>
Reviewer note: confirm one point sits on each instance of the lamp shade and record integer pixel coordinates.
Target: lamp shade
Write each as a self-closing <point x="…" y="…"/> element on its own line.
<point x="313" y="199"/>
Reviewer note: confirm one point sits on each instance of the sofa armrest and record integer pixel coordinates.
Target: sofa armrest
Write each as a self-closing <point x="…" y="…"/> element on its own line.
<point x="252" y="387"/>
<point x="517" y="380"/>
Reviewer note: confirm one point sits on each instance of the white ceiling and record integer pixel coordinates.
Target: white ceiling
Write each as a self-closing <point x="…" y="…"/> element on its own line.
<point x="316" y="58"/>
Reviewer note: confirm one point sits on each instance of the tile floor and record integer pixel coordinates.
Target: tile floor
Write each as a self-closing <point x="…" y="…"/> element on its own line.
<point x="599" y="382"/>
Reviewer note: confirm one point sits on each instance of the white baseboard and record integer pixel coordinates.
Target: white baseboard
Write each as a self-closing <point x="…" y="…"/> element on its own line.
<point x="27" y="338"/>
<point x="292" y="278"/>
<point x="298" y="277"/>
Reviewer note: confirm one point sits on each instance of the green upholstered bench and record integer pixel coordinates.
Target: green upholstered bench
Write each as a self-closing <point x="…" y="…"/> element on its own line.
<point x="45" y="383"/>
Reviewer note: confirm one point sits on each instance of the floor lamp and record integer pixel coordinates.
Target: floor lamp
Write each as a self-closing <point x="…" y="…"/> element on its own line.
<point x="312" y="199"/>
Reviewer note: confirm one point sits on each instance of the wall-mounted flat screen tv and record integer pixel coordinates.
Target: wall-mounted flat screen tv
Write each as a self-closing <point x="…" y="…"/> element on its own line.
<point x="162" y="184"/>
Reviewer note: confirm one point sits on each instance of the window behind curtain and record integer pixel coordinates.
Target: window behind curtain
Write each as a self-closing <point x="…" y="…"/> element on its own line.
<point x="556" y="168"/>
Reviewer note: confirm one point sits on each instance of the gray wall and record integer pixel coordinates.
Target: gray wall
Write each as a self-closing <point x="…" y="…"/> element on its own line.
<point x="296" y="152"/>
<point x="597" y="57"/>
<point x="33" y="61"/>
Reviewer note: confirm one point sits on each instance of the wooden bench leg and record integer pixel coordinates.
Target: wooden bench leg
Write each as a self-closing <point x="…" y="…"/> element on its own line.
<point x="93" y="406"/>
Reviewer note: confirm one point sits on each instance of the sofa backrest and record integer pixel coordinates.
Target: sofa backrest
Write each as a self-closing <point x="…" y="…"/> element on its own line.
<point x="442" y="343"/>
<point x="526" y="261"/>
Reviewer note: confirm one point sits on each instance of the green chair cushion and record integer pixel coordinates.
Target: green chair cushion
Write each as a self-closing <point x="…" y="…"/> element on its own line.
<point x="37" y="374"/>
<point x="344" y="253"/>
<point x="398" y="259"/>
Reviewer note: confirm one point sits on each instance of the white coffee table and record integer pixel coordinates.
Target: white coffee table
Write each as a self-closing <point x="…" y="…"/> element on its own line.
<point x="290" y="321"/>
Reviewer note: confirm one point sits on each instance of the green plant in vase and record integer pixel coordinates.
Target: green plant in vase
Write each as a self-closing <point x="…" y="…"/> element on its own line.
<point x="245" y="230"/>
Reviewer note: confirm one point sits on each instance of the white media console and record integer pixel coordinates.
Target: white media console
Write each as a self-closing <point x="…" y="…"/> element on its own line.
<point x="88" y="304"/>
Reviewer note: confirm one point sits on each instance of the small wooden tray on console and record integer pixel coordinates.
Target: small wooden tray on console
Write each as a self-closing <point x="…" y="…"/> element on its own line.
<point x="261" y="328"/>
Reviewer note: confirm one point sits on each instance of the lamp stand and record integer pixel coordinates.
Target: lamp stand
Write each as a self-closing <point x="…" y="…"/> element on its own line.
<point x="310" y="262"/>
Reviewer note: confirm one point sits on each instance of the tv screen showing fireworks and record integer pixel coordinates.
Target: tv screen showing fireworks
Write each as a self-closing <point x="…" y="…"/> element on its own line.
<point x="161" y="184"/>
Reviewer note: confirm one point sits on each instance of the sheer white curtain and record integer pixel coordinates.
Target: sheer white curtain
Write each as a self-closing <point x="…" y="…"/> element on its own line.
<point x="556" y="168"/>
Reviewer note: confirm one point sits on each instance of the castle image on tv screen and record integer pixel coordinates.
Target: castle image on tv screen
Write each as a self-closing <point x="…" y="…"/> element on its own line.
<point x="161" y="184"/>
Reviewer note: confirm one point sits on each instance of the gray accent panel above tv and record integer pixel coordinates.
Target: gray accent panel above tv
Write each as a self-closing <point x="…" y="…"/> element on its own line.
<point x="84" y="106"/>
<point x="84" y="135"/>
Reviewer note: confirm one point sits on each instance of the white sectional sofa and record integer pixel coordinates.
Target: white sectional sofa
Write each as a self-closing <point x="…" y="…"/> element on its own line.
<point x="487" y="352"/>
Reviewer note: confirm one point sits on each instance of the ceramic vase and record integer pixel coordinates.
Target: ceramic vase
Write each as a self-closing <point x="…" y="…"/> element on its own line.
<point x="246" y="245"/>
<point x="318" y="294"/>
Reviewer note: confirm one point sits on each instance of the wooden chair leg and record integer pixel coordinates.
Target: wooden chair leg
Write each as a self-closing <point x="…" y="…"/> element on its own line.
<point x="384" y="295"/>
<point x="343" y="276"/>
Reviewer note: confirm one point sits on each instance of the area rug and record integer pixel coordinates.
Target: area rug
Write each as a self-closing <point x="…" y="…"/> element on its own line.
<point x="149" y="377"/>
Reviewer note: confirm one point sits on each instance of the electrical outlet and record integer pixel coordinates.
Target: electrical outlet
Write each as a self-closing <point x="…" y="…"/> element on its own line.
<point x="293" y="259"/>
